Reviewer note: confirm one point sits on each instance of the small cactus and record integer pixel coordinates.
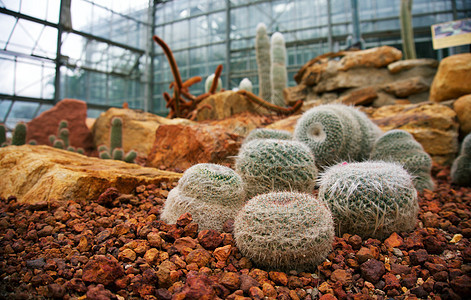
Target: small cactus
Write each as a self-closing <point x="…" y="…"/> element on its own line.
<point x="116" y="133"/>
<point x="212" y="194"/>
<point x="264" y="133"/>
<point x="285" y="230"/>
<point x="246" y="85"/>
<point x="19" y="135"/>
<point x="116" y="151"/>
<point x="461" y="167"/>
<point x="370" y="199"/>
<point x="3" y="135"/>
<point x="62" y="141"/>
<point x="268" y="165"/>
<point x="209" y="82"/>
<point x="278" y="73"/>
<point x="262" y="53"/>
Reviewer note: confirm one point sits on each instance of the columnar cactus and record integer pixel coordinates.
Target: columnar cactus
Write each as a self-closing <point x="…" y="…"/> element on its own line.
<point x="407" y="30"/>
<point x="19" y="135"/>
<point x="268" y="165"/>
<point x="336" y="132"/>
<point x="116" y="144"/>
<point x="246" y="85"/>
<point x="262" y="53"/>
<point x="264" y="133"/>
<point x="61" y="141"/>
<point x="278" y="73"/>
<point x="285" y="230"/>
<point x="209" y="82"/>
<point x="370" y="199"/>
<point x="461" y="168"/>
<point x="3" y="135"/>
<point x="212" y="194"/>
<point x="401" y="147"/>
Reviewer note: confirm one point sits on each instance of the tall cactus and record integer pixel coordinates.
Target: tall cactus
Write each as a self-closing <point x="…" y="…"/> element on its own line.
<point x="19" y="135"/>
<point x="278" y="73"/>
<point x="116" y="134"/>
<point x="116" y="144"/>
<point x="407" y="31"/>
<point x="262" y="52"/>
<point x="3" y="135"/>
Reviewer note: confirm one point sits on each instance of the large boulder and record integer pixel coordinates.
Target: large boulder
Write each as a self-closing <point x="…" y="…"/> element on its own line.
<point x="462" y="107"/>
<point x="453" y="78"/>
<point x="47" y="123"/>
<point x="138" y="128"/>
<point x="39" y="174"/>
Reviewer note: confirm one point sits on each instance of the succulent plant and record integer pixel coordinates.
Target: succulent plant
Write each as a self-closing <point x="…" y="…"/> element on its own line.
<point x="19" y="135"/>
<point x="265" y="133"/>
<point x="335" y="133"/>
<point x="209" y="82"/>
<point x="268" y="165"/>
<point x="401" y="147"/>
<point x="370" y="199"/>
<point x="285" y="230"/>
<point x="262" y="53"/>
<point x="278" y="73"/>
<point x="62" y="141"/>
<point x="3" y="135"/>
<point x="461" y="167"/>
<point x="211" y="193"/>
<point x="116" y="151"/>
<point x="246" y="85"/>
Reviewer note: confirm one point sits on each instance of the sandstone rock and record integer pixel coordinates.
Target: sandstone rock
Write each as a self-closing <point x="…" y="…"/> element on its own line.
<point x="462" y="108"/>
<point x="360" y="96"/>
<point x="287" y="124"/>
<point x="138" y="128"/>
<point x="406" y="87"/>
<point x="225" y="104"/>
<point x="453" y="78"/>
<point x="295" y="93"/>
<point x="38" y="174"/>
<point x="375" y="57"/>
<point x="47" y="123"/>
<point x="432" y="125"/>
<point x="407" y="64"/>
<point x="181" y="146"/>
<point x="240" y="124"/>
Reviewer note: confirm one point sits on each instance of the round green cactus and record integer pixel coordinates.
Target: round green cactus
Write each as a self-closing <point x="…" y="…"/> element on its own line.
<point x="19" y="135"/>
<point x="209" y="82"/>
<point x="278" y="73"/>
<point x="264" y="133"/>
<point x="268" y="165"/>
<point x="285" y="230"/>
<point x="371" y="199"/>
<point x="401" y="147"/>
<point x="461" y="167"/>
<point x="262" y="54"/>
<point x="335" y="133"/>
<point x="211" y="193"/>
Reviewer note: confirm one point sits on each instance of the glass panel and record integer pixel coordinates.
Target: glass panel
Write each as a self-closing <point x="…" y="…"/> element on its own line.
<point x="4" y="108"/>
<point x="21" y="112"/>
<point x="7" y="73"/>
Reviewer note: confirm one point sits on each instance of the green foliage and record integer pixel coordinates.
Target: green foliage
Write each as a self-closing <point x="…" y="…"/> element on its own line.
<point x="285" y="230"/>
<point x="371" y="199"/>
<point x="461" y="168"/>
<point x="264" y="133"/>
<point x="262" y="52"/>
<point x="211" y="193"/>
<point x="401" y="147"/>
<point x="278" y="73"/>
<point x="209" y="82"/>
<point x="246" y="85"/>
<point x="116" y="151"/>
<point x="336" y="132"/>
<point x="268" y="165"/>
<point x="19" y="135"/>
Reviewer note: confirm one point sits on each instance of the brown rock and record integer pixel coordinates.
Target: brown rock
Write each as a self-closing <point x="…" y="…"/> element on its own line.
<point x="256" y="293"/>
<point x="197" y="286"/>
<point x="99" y="292"/>
<point x="185" y="242"/>
<point x="240" y="124"/>
<point x="200" y="257"/>
<point x="394" y="241"/>
<point x="287" y="124"/>
<point x="372" y="270"/>
<point x="405" y="88"/>
<point x="462" y="108"/>
<point x="430" y="219"/>
<point x="71" y="110"/>
<point x="181" y="146"/>
<point x="230" y="280"/>
<point x="364" y="254"/>
<point x="268" y="290"/>
<point x="222" y="253"/>
<point x="184" y="220"/>
<point x="359" y="96"/>
<point x="210" y="239"/>
<point x="154" y="239"/>
<point x="102" y="269"/>
<point x="279" y="278"/>
<point x="374" y="57"/>
<point x="391" y="281"/>
<point x="402" y="65"/>
<point x="43" y="174"/>
<point x="418" y="257"/>
<point x="151" y="256"/>
<point x="295" y="93"/>
<point x="462" y="285"/>
<point x="453" y="78"/>
<point x="247" y="282"/>
<point x="342" y="276"/>
<point x="165" y="273"/>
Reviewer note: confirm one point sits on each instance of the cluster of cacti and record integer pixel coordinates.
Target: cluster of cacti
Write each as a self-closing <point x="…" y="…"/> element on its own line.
<point x="61" y="141"/>
<point x="285" y="230"/>
<point x="116" y="144"/>
<point x="278" y="73"/>
<point x="370" y="199"/>
<point x="212" y="194"/>
<point x="18" y="138"/>
<point x="209" y="82"/>
<point x="401" y="147"/>
<point x="246" y="85"/>
<point x="264" y="133"/>
<point x="268" y="165"/>
<point x="335" y="133"/>
<point x="461" y="168"/>
<point x="262" y="55"/>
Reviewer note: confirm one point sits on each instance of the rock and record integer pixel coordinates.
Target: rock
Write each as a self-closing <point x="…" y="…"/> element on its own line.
<point x="453" y="78"/>
<point x="279" y="278"/>
<point x="240" y="124"/>
<point x="407" y="64"/>
<point x="375" y="57"/>
<point x="360" y="96"/>
<point x="222" y="253"/>
<point x="225" y="104"/>
<point x="391" y="281"/>
<point x="405" y="88"/>
<point x="102" y="269"/>
<point x="287" y="124"/>
<point x="138" y="128"/>
<point x="433" y="125"/>
<point x="418" y="257"/>
<point x="230" y="280"/>
<point x="37" y="174"/>
<point x="47" y="123"/>
<point x="462" y="108"/>
<point x="182" y="146"/>
<point x="210" y="239"/>
<point x="99" y="292"/>
<point x="394" y="241"/>
<point x="247" y="282"/>
<point x="462" y="285"/>
<point x="197" y="286"/>
<point x="372" y="270"/>
<point x="364" y="254"/>
<point x="200" y="257"/>
<point x="295" y="93"/>
<point x="343" y="276"/>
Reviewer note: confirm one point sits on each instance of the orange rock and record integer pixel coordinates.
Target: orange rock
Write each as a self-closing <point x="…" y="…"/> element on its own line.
<point x="222" y="253"/>
<point x="279" y="278"/>
<point x="453" y="78"/>
<point x="394" y="241"/>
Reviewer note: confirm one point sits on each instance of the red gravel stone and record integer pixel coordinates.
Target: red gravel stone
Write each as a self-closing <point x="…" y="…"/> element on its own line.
<point x="372" y="270"/>
<point x="209" y="239"/>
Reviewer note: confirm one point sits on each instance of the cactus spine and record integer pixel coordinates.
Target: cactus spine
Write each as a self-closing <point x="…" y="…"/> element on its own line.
<point x="371" y="199"/>
<point x="407" y="31"/>
<point x="211" y="193"/>
<point x="278" y="73"/>
<point x="262" y="52"/>
<point x="268" y="165"/>
<point x="265" y="133"/>
<point x="461" y="168"/>
<point x="285" y="230"/>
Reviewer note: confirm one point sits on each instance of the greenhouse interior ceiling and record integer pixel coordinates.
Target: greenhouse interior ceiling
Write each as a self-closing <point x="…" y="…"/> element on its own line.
<point x="102" y="52"/>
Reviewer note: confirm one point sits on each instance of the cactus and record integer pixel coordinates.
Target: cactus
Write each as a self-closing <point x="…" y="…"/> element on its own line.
<point x="19" y="135"/>
<point x="461" y="167"/>
<point x="246" y="85"/>
<point x="371" y="199"/>
<point x="407" y="30"/>
<point x="285" y="230"/>
<point x="262" y="52"/>
<point x="401" y="147"/>
<point x="209" y="82"/>
<point x="116" y="133"/>
<point x="336" y="132"/>
<point x="116" y="151"/>
<point x="3" y="135"/>
<point x="61" y="141"/>
<point x="268" y="165"/>
<point x="211" y="193"/>
<point x="264" y="133"/>
<point x="278" y="73"/>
